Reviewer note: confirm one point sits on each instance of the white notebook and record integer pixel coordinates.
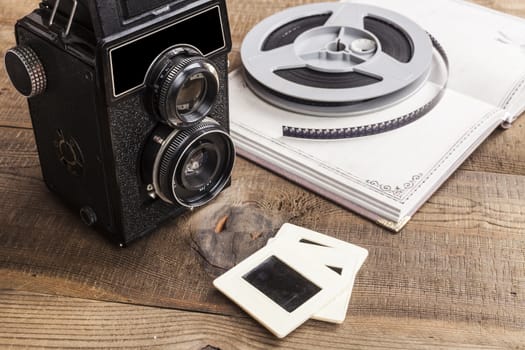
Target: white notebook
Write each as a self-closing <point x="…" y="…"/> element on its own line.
<point x="389" y="176"/>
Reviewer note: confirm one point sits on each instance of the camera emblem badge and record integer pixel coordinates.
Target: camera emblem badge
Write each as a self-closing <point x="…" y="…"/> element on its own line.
<point x="69" y="153"/>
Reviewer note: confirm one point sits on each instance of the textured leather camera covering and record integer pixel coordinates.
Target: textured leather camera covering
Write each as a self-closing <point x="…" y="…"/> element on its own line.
<point x="107" y="134"/>
<point x="130" y="126"/>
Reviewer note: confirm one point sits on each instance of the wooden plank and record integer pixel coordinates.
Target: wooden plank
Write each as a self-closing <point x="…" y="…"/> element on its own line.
<point x="13" y="110"/>
<point x="40" y="321"/>
<point x="14" y="9"/>
<point x="460" y="259"/>
<point x="456" y="273"/>
<point x="501" y="153"/>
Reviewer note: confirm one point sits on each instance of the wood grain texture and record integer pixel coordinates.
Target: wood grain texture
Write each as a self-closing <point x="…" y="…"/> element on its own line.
<point x="14" y="111"/>
<point x="58" y="322"/>
<point x="460" y="259"/>
<point x="455" y="277"/>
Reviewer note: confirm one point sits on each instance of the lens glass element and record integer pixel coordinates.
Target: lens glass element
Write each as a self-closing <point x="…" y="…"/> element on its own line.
<point x="191" y="95"/>
<point x="190" y="166"/>
<point x="200" y="167"/>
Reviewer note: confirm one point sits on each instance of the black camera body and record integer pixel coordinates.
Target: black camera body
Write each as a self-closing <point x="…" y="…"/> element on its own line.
<point x="129" y="105"/>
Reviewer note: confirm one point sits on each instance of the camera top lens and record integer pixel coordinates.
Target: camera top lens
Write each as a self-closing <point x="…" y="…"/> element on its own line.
<point x="182" y="86"/>
<point x="191" y="94"/>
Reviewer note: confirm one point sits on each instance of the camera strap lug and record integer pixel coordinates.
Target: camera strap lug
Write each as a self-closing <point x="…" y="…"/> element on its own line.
<point x="71" y="16"/>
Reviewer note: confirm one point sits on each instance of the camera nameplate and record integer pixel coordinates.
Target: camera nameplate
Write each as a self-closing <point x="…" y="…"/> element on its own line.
<point x="126" y="79"/>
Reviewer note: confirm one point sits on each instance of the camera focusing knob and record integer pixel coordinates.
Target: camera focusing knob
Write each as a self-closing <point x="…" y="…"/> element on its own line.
<point x="26" y="71"/>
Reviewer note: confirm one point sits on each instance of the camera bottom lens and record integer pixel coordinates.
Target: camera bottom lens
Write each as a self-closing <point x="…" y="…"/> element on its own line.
<point x="191" y="166"/>
<point x="200" y="166"/>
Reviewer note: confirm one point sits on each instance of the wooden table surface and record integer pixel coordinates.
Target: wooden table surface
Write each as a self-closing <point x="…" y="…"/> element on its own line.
<point x="454" y="278"/>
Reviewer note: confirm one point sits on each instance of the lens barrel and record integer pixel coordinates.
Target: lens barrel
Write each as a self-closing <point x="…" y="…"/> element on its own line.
<point x="182" y="87"/>
<point x="190" y="166"/>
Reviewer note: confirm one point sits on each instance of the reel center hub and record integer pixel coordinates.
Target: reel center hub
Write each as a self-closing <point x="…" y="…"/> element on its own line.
<point x="335" y="49"/>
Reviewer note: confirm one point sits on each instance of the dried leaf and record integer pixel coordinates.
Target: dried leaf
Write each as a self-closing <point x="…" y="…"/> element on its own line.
<point x="221" y="224"/>
<point x="256" y="235"/>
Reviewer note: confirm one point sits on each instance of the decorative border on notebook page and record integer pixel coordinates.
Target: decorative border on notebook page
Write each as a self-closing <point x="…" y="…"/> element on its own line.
<point x="400" y="193"/>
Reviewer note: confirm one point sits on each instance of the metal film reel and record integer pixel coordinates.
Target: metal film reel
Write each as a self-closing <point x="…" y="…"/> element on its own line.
<point x="332" y="59"/>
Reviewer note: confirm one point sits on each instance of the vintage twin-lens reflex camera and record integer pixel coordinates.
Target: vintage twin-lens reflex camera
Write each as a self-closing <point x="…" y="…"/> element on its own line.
<point x="129" y="105"/>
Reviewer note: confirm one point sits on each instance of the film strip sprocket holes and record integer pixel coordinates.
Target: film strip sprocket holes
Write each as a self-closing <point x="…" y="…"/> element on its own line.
<point x="339" y="59"/>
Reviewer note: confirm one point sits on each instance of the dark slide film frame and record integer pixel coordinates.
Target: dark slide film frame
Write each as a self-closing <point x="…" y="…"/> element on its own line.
<point x="241" y="286"/>
<point x="281" y="283"/>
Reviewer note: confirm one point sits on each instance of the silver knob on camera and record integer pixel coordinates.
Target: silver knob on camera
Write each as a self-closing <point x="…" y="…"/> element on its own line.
<point x="26" y="71"/>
